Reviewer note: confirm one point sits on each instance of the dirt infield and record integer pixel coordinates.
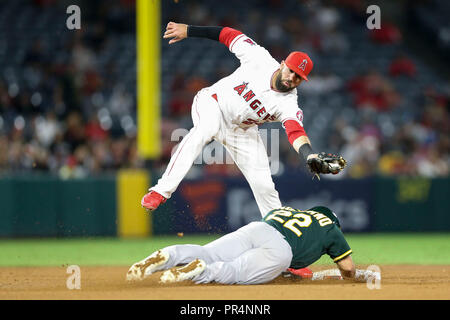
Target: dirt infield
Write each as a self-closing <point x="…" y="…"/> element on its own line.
<point x="108" y="283"/>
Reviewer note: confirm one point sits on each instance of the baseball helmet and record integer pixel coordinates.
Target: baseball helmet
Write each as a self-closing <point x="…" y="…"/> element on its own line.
<point x="330" y="214"/>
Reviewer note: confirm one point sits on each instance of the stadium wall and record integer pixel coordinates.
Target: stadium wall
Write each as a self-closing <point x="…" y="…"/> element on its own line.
<point x="46" y="206"/>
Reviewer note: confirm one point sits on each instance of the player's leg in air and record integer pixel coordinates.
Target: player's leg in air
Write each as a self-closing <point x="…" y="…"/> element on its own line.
<point x="206" y="117"/>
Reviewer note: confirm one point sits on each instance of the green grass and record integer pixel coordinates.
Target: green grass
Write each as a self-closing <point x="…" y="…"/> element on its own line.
<point x="399" y="248"/>
<point x="417" y="248"/>
<point x="83" y="251"/>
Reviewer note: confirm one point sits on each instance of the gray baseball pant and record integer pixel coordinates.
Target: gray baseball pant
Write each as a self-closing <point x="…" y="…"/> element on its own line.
<point x="256" y="253"/>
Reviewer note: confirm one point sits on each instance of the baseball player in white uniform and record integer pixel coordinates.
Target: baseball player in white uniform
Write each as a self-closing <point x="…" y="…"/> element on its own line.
<point x="260" y="90"/>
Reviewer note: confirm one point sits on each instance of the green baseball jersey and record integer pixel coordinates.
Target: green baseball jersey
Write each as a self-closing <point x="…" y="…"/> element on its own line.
<point x="310" y="234"/>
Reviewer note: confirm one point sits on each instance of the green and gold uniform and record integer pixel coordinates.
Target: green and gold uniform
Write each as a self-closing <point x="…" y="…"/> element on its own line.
<point x="310" y="233"/>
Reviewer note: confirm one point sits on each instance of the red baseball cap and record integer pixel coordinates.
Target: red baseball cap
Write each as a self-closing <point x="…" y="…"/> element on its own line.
<point x="300" y="63"/>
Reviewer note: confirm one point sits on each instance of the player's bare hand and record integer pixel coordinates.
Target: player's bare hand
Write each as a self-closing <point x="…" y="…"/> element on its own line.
<point x="175" y="32"/>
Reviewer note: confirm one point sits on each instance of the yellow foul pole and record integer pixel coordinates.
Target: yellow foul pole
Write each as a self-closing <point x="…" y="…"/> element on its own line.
<point x="148" y="77"/>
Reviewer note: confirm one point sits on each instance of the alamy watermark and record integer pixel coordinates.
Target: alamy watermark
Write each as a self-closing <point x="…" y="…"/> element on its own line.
<point x="374" y="20"/>
<point x="255" y="149"/>
<point x="74" y="20"/>
<point x="374" y="278"/>
<point x="74" y="280"/>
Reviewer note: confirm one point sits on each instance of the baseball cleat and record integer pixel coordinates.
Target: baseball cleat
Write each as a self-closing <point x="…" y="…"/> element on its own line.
<point x="152" y="200"/>
<point x="142" y="269"/>
<point x="187" y="272"/>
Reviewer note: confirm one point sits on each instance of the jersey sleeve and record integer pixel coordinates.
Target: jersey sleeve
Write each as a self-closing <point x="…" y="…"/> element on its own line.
<point x="293" y="130"/>
<point x="337" y="247"/>
<point x="291" y="119"/>
<point x="289" y="109"/>
<point x="243" y="47"/>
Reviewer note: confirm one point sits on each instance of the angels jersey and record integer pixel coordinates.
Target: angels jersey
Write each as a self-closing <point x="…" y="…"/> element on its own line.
<point x="246" y="97"/>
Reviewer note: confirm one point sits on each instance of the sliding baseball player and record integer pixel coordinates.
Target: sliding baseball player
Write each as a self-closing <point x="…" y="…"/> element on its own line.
<point x="259" y="252"/>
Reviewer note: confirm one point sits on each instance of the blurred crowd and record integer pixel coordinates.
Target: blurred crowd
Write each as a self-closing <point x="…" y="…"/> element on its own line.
<point x="75" y="117"/>
<point x="420" y="146"/>
<point x="66" y="113"/>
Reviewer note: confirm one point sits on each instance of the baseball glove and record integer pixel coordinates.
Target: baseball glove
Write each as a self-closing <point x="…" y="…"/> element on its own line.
<point x="326" y="163"/>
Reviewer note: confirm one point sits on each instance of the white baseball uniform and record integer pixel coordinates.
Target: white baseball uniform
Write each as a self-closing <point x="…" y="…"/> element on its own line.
<point x="229" y="112"/>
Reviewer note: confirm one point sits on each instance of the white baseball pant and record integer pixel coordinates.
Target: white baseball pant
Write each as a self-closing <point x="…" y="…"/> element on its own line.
<point x="256" y="253"/>
<point x="245" y="147"/>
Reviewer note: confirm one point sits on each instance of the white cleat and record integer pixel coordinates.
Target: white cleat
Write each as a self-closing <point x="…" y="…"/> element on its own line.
<point x="142" y="269"/>
<point x="187" y="272"/>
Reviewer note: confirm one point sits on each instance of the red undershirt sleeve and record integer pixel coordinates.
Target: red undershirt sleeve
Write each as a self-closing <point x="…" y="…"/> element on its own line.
<point x="293" y="130"/>
<point x="227" y="35"/>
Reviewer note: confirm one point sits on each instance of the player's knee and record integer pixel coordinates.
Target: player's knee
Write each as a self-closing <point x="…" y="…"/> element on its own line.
<point x="201" y="134"/>
<point x="281" y="257"/>
<point x="277" y="267"/>
<point x="285" y="261"/>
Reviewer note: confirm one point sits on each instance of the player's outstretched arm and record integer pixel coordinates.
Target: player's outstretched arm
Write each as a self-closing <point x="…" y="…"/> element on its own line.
<point x="179" y="31"/>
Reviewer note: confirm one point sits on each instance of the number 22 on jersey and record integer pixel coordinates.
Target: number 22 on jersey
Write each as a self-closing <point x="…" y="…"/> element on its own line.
<point x="293" y="222"/>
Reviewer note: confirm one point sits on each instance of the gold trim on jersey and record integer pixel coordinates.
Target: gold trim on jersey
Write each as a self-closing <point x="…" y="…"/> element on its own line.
<point x="342" y="255"/>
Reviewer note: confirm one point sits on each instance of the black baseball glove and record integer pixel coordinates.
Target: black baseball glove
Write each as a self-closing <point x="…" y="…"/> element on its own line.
<point x="326" y="163"/>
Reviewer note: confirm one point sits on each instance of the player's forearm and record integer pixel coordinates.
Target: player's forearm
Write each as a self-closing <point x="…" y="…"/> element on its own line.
<point x="298" y="138"/>
<point x="346" y="266"/>
<point x="212" y="33"/>
<point x="179" y="31"/>
<point x="224" y="35"/>
<point x="303" y="147"/>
